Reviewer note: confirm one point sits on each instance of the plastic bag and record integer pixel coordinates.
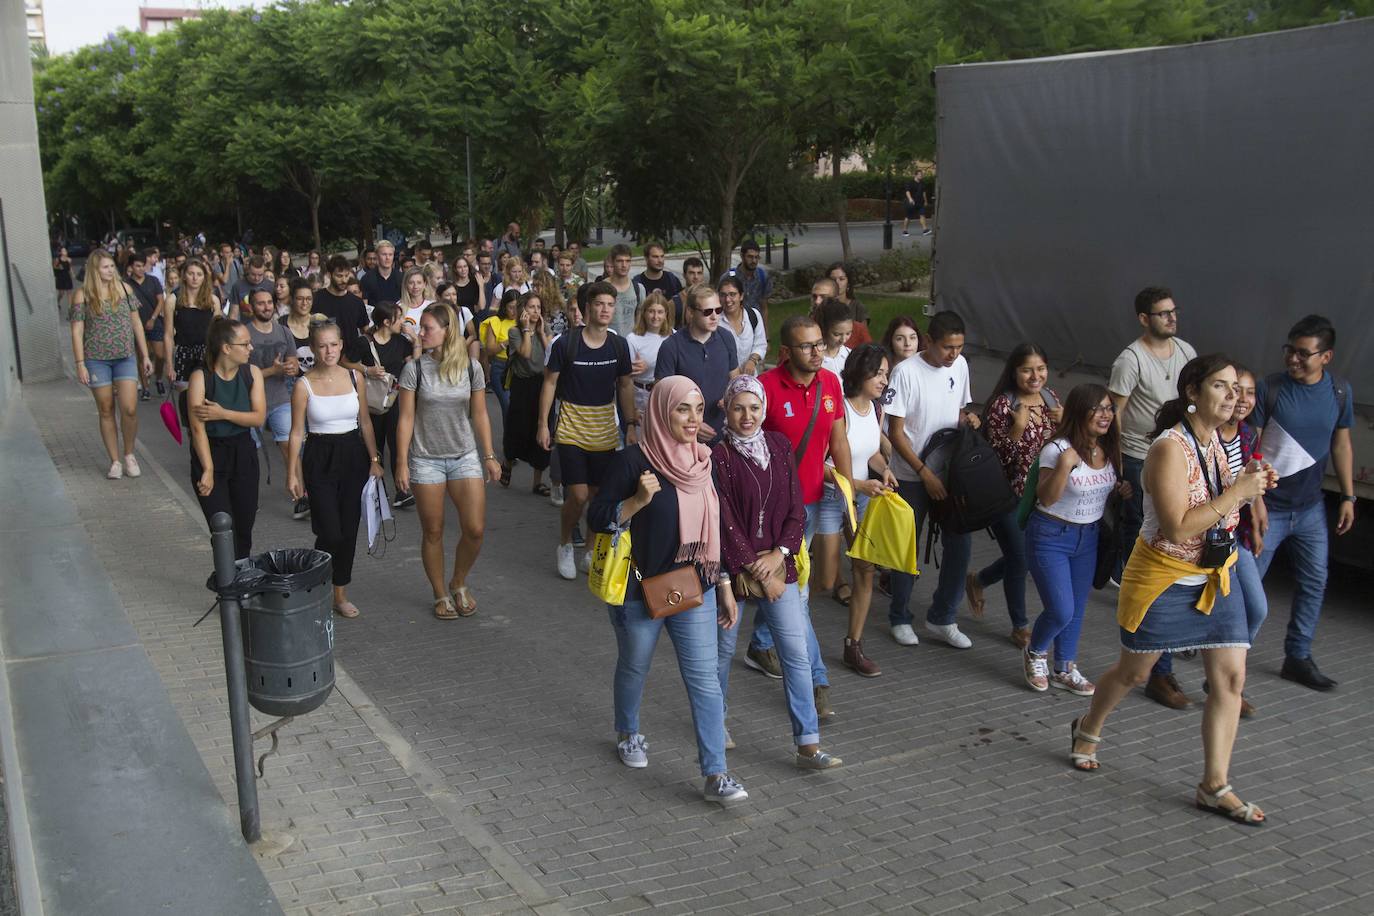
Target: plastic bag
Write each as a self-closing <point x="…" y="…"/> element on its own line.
<point x="887" y="535"/>
<point x="288" y="569"/>
<point x="803" y="561"/>
<point x="610" y="572"/>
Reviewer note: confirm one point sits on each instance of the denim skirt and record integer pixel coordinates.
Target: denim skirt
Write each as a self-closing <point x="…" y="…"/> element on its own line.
<point x="1174" y="624"/>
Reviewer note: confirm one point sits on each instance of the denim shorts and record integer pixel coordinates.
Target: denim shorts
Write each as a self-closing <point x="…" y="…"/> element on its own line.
<point x="442" y="470"/>
<point x="105" y="372"/>
<point x="1174" y="624"/>
<point x="830" y="510"/>
<point x="279" y="421"/>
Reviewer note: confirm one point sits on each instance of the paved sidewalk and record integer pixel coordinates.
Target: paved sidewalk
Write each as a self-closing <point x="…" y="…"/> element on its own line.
<point x="474" y="770"/>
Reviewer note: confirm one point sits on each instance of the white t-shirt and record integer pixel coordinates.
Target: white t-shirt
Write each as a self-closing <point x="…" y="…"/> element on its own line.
<point x="865" y="438"/>
<point x="836" y="363"/>
<point x="749" y="341"/>
<point x="929" y="399"/>
<point x="645" y="347"/>
<point x="1085" y="495"/>
<point x="411" y="322"/>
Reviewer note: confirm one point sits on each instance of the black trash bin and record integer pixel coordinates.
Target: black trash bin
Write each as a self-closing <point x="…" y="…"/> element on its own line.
<point x="288" y="629"/>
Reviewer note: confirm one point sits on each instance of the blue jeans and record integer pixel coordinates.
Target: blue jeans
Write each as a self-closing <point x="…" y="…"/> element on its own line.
<point x="787" y="621"/>
<point x="1009" y="568"/>
<point x="1305" y="532"/>
<point x="949" y="589"/>
<point x="763" y="636"/>
<point x="1246" y="575"/>
<point x="1062" y="558"/>
<point x="694" y="640"/>
<point x="497" y="385"/>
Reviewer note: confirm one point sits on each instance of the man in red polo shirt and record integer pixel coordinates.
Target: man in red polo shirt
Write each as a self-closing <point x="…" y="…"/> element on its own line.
<point x="805" y="404"/>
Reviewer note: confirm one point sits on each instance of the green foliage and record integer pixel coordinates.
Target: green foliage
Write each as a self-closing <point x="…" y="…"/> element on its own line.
<point x="313" y="120"/>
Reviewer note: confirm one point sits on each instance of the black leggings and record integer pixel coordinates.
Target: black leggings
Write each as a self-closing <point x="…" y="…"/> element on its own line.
<point x="335" y="468"/>
<point x="235" y="459"/>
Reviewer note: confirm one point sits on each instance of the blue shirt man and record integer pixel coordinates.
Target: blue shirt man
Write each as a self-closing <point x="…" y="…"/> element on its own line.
<point x="758" y="285"/>
<point x="1305" y="415"/>
<point x="701" y="352"/>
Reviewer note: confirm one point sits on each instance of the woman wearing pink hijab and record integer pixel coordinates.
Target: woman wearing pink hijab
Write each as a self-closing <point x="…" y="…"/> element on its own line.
<point x="661" y="490"/>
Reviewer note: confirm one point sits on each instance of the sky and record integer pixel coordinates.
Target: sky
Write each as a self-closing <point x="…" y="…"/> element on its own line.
<point x="72" y="24"/>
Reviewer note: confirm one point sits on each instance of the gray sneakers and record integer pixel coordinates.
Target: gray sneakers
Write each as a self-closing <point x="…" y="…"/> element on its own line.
<point x="634" y="751"/>
<point x="723" y="789"/>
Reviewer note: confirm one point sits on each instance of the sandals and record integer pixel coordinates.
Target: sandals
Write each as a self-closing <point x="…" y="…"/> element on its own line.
<point x="348" y="609"/>
<point x="845" y="598"/>
<point x="1084" y="762"/>
<point x="1245" y="813"/>
<point x="540" y="489"/>
<point x="974" y="590"/>
<point x="445" y="609"/>
<point x="466" y="604"/>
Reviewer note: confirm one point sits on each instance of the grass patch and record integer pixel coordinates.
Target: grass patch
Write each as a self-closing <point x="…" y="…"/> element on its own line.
<point x="881" y="310"/>
<point x="595" y="254"/>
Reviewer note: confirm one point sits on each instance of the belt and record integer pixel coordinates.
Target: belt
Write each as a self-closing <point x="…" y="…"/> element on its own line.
<point x="1063" y="521"/>
<point x="647" y="386"/>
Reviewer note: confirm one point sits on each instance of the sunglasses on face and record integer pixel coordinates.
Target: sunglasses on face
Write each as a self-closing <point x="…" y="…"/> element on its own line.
<point x="714" y="311"/>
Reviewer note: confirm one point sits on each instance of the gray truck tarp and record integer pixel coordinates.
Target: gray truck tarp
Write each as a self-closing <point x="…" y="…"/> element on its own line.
<point x="1239" y="173"/>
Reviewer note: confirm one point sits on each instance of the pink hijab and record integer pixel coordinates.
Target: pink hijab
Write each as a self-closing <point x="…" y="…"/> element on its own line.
<point x="688" y="466"/>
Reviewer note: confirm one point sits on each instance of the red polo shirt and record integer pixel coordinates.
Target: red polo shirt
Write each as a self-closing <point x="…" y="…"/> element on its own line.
<point x="789" y="412"/>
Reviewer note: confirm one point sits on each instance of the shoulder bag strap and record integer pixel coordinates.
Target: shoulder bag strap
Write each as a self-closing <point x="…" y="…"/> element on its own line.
<point x="811" y="425"/>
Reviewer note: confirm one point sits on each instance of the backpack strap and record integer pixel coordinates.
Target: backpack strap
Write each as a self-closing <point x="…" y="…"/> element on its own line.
<point x="811" y="424"/>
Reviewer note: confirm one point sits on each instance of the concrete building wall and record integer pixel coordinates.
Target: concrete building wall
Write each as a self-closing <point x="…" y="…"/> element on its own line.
<point x="29" y="331"/>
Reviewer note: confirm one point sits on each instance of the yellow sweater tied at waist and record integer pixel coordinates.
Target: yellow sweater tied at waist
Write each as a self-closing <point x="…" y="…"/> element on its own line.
<point x="1150" y="572"/>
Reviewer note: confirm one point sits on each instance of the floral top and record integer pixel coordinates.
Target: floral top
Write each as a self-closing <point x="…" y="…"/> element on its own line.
<point x="1017" y="454"/>
<point x="1190" y="550"/>
<point x="109" y="335"/>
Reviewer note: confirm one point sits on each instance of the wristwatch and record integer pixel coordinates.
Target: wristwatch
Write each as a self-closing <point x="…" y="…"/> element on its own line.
<point x="784" y="551"/>
<point x="1350" y="499"/>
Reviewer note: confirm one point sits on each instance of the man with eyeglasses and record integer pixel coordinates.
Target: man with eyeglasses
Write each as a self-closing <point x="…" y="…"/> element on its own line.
<point x="1144" y="376"/>
<point x="805" y="404"/>
<point x="1304" y="415"/>
<point x="703" y="353"/>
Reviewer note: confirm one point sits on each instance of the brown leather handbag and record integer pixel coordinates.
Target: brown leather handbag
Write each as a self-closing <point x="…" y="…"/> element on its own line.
<point x="672" y="592"/>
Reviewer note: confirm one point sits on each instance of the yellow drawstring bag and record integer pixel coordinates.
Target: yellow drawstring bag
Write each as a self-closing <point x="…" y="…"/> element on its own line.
<point x="610" y="572"/>
<point x="803" y="561"/>
<point x="887" y="534"/>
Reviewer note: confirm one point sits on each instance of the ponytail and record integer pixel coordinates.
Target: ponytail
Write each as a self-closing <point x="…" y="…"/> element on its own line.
<point x="1194" y="374"/>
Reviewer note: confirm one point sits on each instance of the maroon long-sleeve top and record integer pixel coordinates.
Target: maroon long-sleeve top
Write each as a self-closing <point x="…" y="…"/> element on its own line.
<point x="752" y="498"/>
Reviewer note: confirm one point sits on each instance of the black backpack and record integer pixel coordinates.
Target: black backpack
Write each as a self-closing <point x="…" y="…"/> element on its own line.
<point x="976" y="486"/>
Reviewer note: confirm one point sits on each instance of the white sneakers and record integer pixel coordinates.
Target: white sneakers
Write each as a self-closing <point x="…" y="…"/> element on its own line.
<point x="567" y="563"/>
<point x="633" y="751"/>
<point x="905" y="635"/>
<point x="585" y="563"/>
<point x="950" y="634"/>
<point x="556" y="494"/>
<point x="131" y="468"/>
<point x="115" y="472"/>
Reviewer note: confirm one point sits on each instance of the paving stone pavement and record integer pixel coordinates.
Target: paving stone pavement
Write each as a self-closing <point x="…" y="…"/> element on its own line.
<point x="474" y="770"/>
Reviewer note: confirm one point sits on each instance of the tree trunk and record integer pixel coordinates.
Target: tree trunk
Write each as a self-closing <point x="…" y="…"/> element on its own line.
<point x="315" y="221"/>
<point x="365" y="216"/>
<point x="560" y="219"/>
<point x="841" y="203"/>
<point x="722" y="240"/>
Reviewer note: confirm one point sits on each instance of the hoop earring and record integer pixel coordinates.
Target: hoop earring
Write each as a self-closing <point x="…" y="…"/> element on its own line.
<point x="1192" y="408"/>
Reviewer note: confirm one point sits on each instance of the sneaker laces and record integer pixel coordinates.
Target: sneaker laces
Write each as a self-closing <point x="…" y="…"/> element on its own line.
<point x="635" y="742"/>
<point x="726" y="785"/>
<point x="1073" y="676"/>
<point x="1039" y="664"/>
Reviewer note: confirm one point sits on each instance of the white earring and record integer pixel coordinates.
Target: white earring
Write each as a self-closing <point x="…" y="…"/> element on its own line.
<point x="1192" y="408"/>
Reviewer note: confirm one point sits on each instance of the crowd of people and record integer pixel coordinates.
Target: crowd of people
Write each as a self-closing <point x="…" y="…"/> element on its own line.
<point x="650" y="404"/>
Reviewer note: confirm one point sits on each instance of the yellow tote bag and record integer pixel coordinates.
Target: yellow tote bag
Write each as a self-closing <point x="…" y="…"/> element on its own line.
<point x="887" y="535"/>
<point x="610" y="572"/>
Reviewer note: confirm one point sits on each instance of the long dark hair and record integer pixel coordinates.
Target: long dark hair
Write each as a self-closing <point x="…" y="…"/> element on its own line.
<point x="897" y="323"/>
<point x="1006" y="382"/>
<point x="1193" y="375"/>
<point x="1078" y="414"/>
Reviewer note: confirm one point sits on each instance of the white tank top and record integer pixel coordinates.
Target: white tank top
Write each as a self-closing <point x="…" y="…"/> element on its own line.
<point x="330" y="414"/>
<point x="865" y="438"/>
